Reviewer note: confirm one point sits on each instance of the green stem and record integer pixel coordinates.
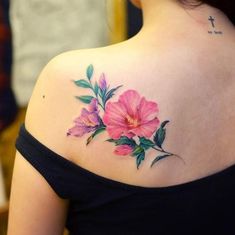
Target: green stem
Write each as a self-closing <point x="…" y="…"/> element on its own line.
<point x="100" y="104"/>
<point x="162" y="150"/>
<point x="96" y="96"/>
<point x="170" y="154"/>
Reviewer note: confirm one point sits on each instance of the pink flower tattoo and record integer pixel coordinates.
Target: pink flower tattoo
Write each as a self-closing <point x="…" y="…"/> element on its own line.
<point x="123" y="150"/>
<point x="132" y="122"/>
<point x="88" y="121"/>
<point x="131" y="116"/>
<point x="102" y="82"/>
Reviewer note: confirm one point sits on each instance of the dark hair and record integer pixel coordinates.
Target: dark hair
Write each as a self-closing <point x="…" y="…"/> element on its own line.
<point x="226" y="6"/>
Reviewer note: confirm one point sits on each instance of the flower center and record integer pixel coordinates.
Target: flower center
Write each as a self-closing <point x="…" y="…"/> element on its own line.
<point x="132" y="122"/>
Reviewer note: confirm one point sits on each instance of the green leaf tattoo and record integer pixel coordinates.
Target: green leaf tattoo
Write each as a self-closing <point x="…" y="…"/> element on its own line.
<point x="96" y="88"/>
<point x="139" y="158"/>
<point x="85" y="98"/>
<point x="89" y="71"/>
<point x="110" y="94"/>
<point x="137" y="150"/>
<point x="160" y="134"/>
<point x="83" y="83"/>
<point x="160" y="158"/>
<point x="122" y="141"/>
<point x="146" y="143"/>
<point x="97" y="131"/>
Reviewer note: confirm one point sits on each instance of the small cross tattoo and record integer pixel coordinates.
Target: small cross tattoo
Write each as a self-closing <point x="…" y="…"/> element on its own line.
<point x="212" y="21"/>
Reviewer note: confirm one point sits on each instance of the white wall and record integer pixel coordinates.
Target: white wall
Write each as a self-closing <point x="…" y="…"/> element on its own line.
<point x="44" y="29"/>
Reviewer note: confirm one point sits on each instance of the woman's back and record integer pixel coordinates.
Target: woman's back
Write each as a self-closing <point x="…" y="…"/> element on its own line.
<point x="190" y="77"/>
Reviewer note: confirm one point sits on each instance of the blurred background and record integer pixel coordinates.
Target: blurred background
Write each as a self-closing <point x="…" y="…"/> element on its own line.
<point x="31" y="33"/>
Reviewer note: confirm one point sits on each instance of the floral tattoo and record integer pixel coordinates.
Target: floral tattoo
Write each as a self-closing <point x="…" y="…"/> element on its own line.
<point x="131" y="122"/>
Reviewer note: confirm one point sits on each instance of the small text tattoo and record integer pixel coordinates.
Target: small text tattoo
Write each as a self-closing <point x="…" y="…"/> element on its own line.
<point x="214" y="31"/>
<point x="132" y="122"/>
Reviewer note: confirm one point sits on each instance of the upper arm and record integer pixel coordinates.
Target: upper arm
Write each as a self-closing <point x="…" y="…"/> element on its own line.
<point x="34" y="206"/>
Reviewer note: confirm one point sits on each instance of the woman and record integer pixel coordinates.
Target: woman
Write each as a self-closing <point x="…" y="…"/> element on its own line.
<point x="134" y="138"/>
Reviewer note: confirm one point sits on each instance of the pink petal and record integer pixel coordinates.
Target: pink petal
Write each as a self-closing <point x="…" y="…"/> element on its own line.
<point x="93" y="119"/>
<point x="115" y="132"/>
<point x="102" y="82"/>
<point x="128" y="134"/>
<point x="77" y="131"/>
<point x="114" y="112"/>
<point x="93" y="106"/>
<point x="123" y="150"/>
<point x="83" y="115"/>
<point x="131" y="100"/>
<point x="147" y="129"/>
<point x="148" y="110"/>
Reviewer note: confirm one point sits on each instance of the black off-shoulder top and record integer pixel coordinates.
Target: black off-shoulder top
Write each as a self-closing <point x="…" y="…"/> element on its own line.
<point x="99" y="205"/>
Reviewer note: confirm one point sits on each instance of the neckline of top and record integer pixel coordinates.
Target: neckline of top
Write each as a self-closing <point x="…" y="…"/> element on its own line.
<point x="114" y="183"/>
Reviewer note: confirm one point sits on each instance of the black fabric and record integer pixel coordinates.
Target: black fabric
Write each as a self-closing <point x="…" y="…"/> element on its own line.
<point x="103" y="206"/>
<point x="134" y="20"/>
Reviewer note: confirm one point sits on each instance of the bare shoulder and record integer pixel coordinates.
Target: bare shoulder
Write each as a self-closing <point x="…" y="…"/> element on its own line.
<point x="64" y="89"/>
<point x="126" y="114"/>
<point x="53" y="102"/>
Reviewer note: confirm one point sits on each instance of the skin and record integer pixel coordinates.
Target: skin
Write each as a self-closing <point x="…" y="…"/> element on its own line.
<point x="173" y="61"/>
